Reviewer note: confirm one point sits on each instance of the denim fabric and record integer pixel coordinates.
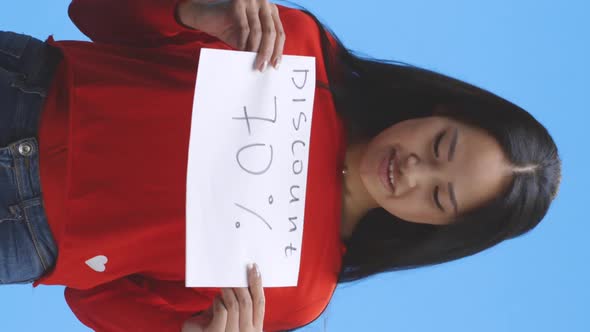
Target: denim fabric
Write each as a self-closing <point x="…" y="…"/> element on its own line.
<point x="27" y="247"/>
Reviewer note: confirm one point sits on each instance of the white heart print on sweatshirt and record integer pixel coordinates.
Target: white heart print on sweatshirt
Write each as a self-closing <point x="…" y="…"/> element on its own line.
<point x="98" y="263"/>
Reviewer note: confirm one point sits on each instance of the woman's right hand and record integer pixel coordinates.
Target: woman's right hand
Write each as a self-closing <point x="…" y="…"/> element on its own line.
<point x="237" y="310"/>
<point x="247" y="25"/>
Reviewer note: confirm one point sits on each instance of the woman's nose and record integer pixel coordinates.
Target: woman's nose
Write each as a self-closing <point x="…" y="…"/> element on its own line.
<point x="416" y="171"/>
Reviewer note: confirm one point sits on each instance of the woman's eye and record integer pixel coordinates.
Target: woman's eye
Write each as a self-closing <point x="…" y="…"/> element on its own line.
<point x="437" y="141"/>
<point x="435" y="195"/>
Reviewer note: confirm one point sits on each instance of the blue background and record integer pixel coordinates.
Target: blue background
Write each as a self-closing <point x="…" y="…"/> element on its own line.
<point x="532" y="52"/>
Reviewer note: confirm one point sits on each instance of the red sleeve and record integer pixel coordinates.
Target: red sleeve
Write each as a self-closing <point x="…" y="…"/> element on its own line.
<point x="124" y="305"/>
<point x="289" y="317"/>
<point x="127" y="22"/>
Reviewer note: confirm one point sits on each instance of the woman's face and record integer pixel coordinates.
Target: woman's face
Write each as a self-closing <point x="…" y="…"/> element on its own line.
<point x="430" y="170"/>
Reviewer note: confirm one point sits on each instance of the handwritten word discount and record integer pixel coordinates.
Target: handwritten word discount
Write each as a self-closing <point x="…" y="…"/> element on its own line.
<point x="298" y="148"/>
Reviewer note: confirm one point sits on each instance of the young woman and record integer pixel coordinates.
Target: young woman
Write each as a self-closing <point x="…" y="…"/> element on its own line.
<point x="407" y="167"/>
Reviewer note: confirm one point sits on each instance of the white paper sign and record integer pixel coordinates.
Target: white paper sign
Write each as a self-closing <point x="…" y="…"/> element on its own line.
<point x="247" y="169"/>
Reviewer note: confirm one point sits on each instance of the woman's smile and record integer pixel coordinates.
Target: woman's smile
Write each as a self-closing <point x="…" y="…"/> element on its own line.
<point x="386" y="171"/>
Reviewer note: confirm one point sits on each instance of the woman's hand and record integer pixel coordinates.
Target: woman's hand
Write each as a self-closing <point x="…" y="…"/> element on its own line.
<point x="250" y="25"/>
<point x="238" y="309"/>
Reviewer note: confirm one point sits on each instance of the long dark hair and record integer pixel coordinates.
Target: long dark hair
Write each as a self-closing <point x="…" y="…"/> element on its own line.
<point x="371" y="95"/>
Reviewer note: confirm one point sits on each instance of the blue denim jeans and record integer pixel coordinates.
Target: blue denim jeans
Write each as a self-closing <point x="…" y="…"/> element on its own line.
<point x="27" y="247"/>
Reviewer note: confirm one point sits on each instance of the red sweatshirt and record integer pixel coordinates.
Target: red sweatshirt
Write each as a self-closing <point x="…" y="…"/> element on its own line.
<point x="113" y="155"/>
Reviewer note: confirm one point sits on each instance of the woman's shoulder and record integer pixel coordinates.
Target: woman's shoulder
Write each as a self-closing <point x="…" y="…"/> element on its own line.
<point x="298" y="25"/>
<point x="303" y="37"/>
<point x="291" y="12"/>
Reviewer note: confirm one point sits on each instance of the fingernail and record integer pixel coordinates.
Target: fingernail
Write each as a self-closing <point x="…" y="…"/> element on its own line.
<point x="263" y="67"/>
<point x="220" y="301"/>
<point x="277" y="62"/>
<point x="250" y="266"/>
<point x="256" y="270"/>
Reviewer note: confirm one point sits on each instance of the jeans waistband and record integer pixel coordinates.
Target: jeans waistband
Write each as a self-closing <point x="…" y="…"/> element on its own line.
<point x="27" y="68"/>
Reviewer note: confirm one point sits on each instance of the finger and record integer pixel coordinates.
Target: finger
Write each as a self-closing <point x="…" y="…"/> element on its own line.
<point x="245" y="301"/>
<point x="233" y="310"/>
<point x="258" y="300"/>
<point x="239" y="10"/>
<point x="255" y="27"/>
<point x="280" y="38"/>
<point x="219" y="320"/>
<point x="267" y="43"/>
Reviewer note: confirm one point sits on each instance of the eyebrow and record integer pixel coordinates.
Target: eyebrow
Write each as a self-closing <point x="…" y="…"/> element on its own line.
<point x="453" y="198"/>
<point x="453" y="144"/>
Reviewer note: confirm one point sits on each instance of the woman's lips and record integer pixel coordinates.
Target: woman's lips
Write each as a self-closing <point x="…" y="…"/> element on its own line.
<point x="383" y="171"/>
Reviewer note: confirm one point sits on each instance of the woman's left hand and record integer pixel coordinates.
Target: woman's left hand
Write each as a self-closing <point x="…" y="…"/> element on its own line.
<point x="237" y="310"/>
<point x="250" y="25"/>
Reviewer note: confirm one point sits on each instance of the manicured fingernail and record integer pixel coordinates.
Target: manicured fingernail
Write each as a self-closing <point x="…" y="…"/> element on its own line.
<point x="220" y="302"/>
<point x="263" y="67"/>
<point x="277" y="62"/>
<point x="256" y="270"/>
